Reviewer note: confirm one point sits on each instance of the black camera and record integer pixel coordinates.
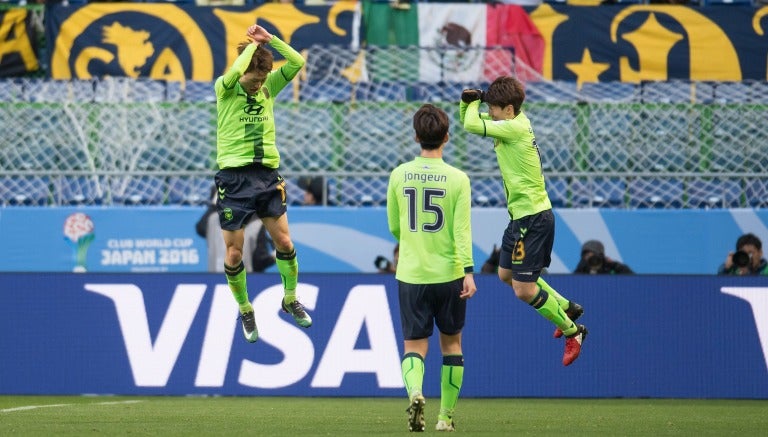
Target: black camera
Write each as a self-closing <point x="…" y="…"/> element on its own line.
<point x="382" y="263"/>
<point x="741" y="258"/>
<point x="596" y="260"/>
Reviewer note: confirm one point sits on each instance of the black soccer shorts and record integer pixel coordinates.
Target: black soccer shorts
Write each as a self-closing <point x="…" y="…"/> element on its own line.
<point x="244" y="191"/>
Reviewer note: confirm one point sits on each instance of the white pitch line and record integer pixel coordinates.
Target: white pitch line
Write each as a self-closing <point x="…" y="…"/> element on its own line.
<point x="31" y="407"/>
<point x="34" y="407"/>
<point x="119" y="402"/>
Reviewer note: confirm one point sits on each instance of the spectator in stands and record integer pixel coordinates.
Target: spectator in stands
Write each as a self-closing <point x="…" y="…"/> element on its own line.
<point x="248" y="182"/>
<point x="526" y="246"/>
<point x="384" y="265"/>
<point x="258" y="254"/>
<point x="594" y="262"/>
<point x="313" y="187"/>
<point x="491" y="265"/>
<point x="747" y="260"/>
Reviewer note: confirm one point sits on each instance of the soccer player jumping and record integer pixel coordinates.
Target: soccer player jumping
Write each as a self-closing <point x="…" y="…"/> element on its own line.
<point x="527" y="242"/>
<point x="428" y="212"/>
<point x="248" y="181"/>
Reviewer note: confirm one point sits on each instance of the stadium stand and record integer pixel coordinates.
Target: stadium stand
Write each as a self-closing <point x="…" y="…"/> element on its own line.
<point x="78" y="190"/>
<point x="713" y="193"/>
<point x="655" y="193"/>
<point x="189" y="190"/>
<point x="24" y="190"/>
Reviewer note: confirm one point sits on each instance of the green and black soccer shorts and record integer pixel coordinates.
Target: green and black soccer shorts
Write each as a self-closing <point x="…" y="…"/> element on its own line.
<point x="526" y="247"/>
<point x="245" y="191"/>
<point x="422" y="306"/>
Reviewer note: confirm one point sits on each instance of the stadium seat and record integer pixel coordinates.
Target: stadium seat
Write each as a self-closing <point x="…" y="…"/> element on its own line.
<point x="47" y="90"/>
<point x="381" y="91"/>
<point x="78" y="190"/>
<point x="673" y="91"/>
<point x="24" y="191"/>
<point x="488" y="192"/>
<point x="556" y="157"/>
<point x="551" y="92"/>
<point x="11" y="90"/>
<point x="609" y="92"/>
<point x="363" y="191"/>
<point x="138" y="190"/>
<point x="759" y="91"/>
<point x="334" y="91"/>
<point x="189" y="190"/>
<point x="756" y="192"/>
<point x="598" y="192"/>
<point x="728" y="92"/>
<point x="557" y="189"/>
<point x="714" y="193"/>
<point x="198" y="91"/>
<point x="655" y="193"/>
<point x="126" y="89"/>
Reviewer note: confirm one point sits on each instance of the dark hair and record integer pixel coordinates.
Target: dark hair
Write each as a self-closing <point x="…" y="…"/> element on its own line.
<point x="505" y="90"/>
<point x="262" y="59"/>
<point x="431" y="125"/>
<point x="749" y="239"/>
<point x="314" y="185"/>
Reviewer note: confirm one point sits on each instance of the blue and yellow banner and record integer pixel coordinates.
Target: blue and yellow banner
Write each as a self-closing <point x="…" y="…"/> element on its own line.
<point x="583" y="44"/>
<point x="653" y="42"/>
<point x="166" y="41"/>
<point x="18" y="44"/>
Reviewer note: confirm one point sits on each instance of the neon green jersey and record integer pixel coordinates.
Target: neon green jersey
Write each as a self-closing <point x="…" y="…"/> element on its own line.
<point x="518" y="156"/>
<point x="428" y="211"/>
<point x="246" y="124"/>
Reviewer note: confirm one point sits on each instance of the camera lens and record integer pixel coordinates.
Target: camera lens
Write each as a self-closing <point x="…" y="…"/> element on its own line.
<point x="741" y="258"/>
<point x="381" y="263"/>
<point x="595" y="260"/>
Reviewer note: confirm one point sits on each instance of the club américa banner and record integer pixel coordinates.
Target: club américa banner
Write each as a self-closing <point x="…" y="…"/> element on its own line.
<point x="18" y="43"/>
<point x="583" y="44"/>
<point x="167" y="41"/>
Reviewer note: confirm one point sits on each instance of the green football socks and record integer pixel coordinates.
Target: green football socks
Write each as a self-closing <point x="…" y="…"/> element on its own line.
<point x="288" y="266"/>
<point x="550" y="310"/>
<point x="563" y="302"/>
<point x="237" y="284"/>
<point x="413" y="373"/>
<point x="451" y="378"/>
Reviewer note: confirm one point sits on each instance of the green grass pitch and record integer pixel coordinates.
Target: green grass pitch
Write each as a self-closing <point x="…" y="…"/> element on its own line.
<point x="298" y="416"/>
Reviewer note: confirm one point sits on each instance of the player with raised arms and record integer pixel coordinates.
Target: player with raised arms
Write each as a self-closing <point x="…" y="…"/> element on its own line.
<point x="526" y="246"/>
<point x="248" y="181"/>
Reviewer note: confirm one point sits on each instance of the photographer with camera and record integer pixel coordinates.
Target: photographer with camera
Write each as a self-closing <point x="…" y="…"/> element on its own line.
<point x="594" y="262"/>
<point x="747" y="260"/>
<point x="385" y="265"/>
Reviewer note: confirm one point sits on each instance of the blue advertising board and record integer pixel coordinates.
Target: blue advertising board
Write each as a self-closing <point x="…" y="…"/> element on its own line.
<point x="347" y="240"/>
<point x="178" y="334"/>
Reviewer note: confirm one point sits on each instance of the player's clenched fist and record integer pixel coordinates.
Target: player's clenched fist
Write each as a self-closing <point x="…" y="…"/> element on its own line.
<point x="258" y="34"/>
<point x="470" y="95"/>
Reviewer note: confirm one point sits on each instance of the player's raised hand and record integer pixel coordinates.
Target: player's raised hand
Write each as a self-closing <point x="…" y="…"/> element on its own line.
<point x="258" y="34"/>
<point x="470" y="95"/>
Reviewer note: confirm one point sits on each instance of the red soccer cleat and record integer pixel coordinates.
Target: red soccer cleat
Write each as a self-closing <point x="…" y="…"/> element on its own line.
<point x="573" y="345"/>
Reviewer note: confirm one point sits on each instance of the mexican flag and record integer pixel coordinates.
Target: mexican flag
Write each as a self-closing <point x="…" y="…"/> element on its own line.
<point x="458" y="42"/>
